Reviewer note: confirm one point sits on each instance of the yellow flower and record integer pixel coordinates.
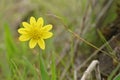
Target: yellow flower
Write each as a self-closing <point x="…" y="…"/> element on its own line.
<point x="35" y="32"/>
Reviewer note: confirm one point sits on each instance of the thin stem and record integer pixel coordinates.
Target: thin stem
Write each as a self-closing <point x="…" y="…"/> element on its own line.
<point x="80" y="38"/>
<point x="93" y="66"/>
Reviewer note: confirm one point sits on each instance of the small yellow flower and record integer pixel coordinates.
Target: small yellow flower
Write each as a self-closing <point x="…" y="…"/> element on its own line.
<point x="35" y="32"/>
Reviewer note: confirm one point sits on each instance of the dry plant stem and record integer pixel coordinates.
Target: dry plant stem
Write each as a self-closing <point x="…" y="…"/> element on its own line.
<point x="89" y="58"/>
<point x="63" y="53"/>
<point x="80" y="38"/>
<point x="65" y="71"/>
<point x="86" y="20"/>
<point x="93" y="66"/>
<point x="102" y="13"/>
<point x="75" y="75"/>
<point x="85" y="25"/>
<point x="97" y="72"/>
<point x="94" y="54"/>
<point x="90" y="44"/>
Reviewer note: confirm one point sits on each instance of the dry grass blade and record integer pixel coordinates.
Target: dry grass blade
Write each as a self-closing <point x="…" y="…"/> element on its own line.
<point x="95" y="53"/>
<point x="93" y="66"/>
<point x="103" y="13"/>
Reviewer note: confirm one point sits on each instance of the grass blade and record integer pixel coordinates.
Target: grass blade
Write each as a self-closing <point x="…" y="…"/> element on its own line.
<point x="43" y="70"/>
<point x="31" y="67"/>
<point x="53" y="68"/>
<point x="10" y="46"/>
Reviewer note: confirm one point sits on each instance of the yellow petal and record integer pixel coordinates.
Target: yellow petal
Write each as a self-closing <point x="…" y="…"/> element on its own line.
<point x="22" y="31"/>
<point x="32" y="21"/>
<point x="25" y="24"/>
<point x="47" y="27"/>
<point x="24" y="38"/>
<point x="41" y="44"/>
<point x="46" y="35"/>
<point x="32" y="43"/>
<point x="40" y="22"/>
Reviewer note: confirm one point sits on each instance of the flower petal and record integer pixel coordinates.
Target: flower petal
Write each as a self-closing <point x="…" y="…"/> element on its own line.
<point x="32" y="21"/>
<point x="25" y="24"/>
<point x="41" y="44"/>
<point x="46" y="35"/>
<point x="22" y="31"/>
<point x="24" y="38"/>
<point x="32" y="43"/>
<point x="47" y="27"/>
<point x="40" y="22"/>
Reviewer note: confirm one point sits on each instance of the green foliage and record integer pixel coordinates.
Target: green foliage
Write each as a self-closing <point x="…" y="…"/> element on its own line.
<point x="29" y="68"/>
<point x="43" y="69"/>
<point x="114" y="72"/>
<point x="18" y="62"/>
<point x="105" y="41"/>
<point x="53" y="68"/>
<point x="117" y="77"/>
<point x="11" y="48"/>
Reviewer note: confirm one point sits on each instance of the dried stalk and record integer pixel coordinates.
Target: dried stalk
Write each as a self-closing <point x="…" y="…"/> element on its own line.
<point x="93" y="66"/>
<point x="96" y="52"/>
<point x="101" y="16"/>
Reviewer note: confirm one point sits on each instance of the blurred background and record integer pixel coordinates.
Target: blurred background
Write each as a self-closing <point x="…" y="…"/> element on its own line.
<point x="96" y="21"/>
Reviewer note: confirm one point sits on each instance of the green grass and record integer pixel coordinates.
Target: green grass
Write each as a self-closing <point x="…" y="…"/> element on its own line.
<point x="60" y="58"/>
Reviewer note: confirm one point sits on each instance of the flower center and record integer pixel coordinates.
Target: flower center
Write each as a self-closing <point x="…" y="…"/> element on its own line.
<point x="35" y="33"/>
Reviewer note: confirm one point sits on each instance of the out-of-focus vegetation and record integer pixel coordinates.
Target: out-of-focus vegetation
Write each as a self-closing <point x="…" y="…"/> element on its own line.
<point x="65" y="56"/>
